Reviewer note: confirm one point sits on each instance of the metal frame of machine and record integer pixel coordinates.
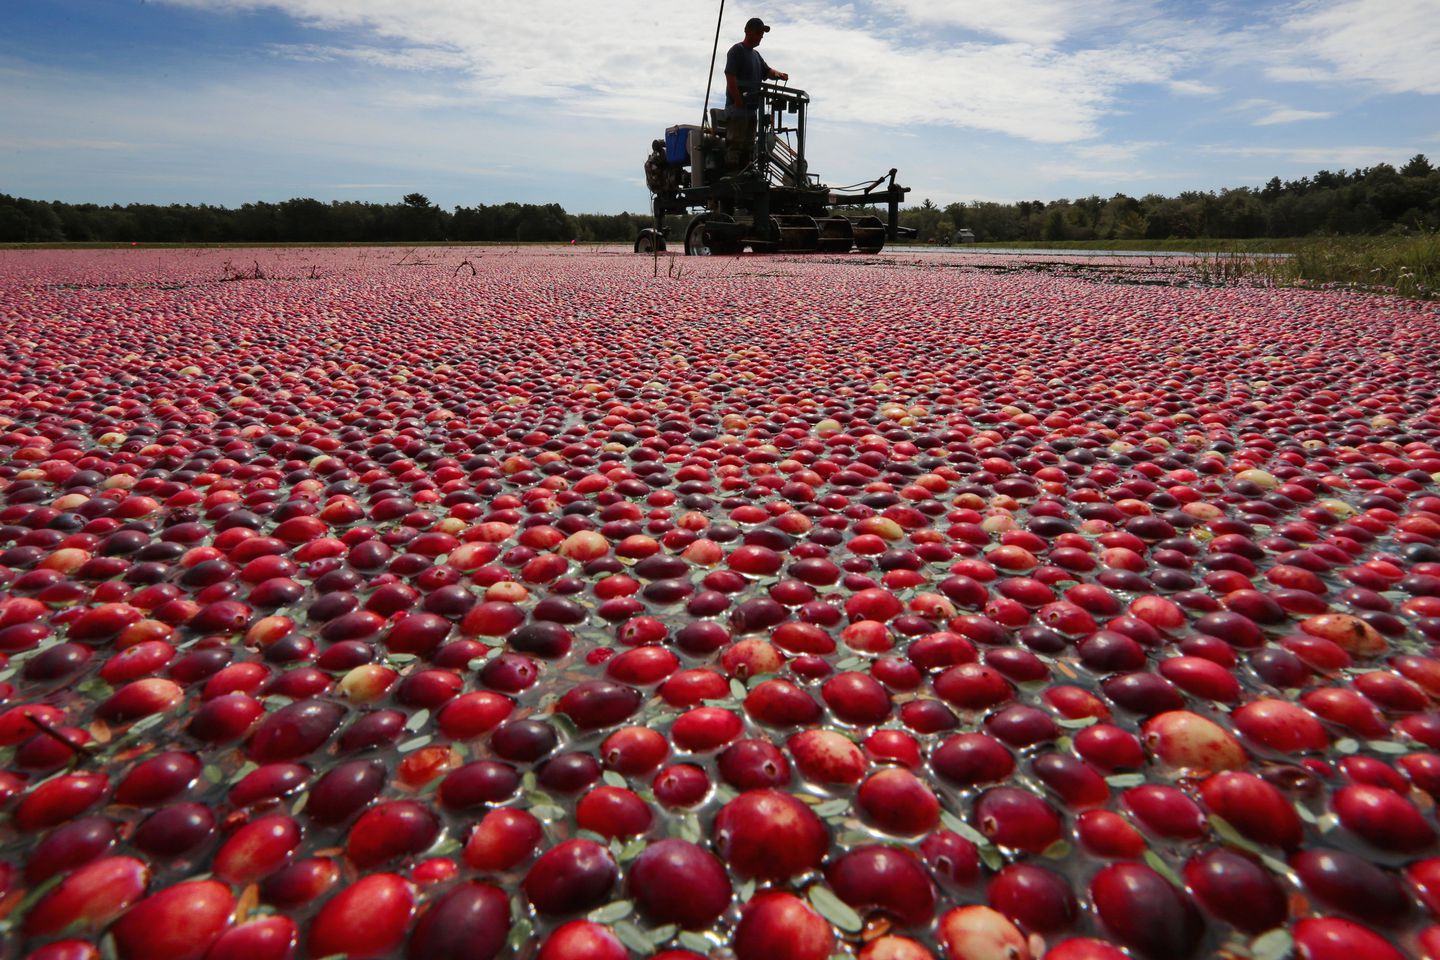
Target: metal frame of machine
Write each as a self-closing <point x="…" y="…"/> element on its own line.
<point x="772" y="205"/>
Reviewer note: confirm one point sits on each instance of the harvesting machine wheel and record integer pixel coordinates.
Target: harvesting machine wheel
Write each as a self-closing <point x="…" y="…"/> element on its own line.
<point x="836" y="234"/>
<point x="795" y="233"/>
<point x="712" y="234"/>
<point x="649" y="241"/>
<point x="869" y="234"/>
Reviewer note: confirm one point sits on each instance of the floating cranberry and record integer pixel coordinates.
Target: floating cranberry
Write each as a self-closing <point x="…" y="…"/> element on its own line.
<point x="754" y="764"/>
<point x="770" y="835"/>
<point x="478" y="783"/>
<point x="675" y="881"/>
<point x="69" y="846"/>
<point x="827" y="757"/>
<point x="569" y="772"/>
<point x="502" y="840"/>
<point x="367" y="919"/>
<point x="884" y="878"/>
<point x="1016" y="818"/>
<point x="634" y="750"/>
<point x="468" y="922"/>
<point x="177" y="923"/>
<point x="400" y="828"/>
<point x="1144" y="912"/>
<point x="175" y="830"/>
<point x="1346" y="883"/>
<point x="257" y="849"/>
<point x="88" y="898"/>
<point x="1254" y="807"/>
<point x="1333" y="938"/>
<point x="951" y="857"/>
<point x="573" y="875"/>
<point x="1236" y="889"/>
<point x="59" y="799"/>
<point x="158" y="779"/>
<point x="599" y="703"/>
<point x="1165" y="811"/>
<point x="977" y="931"/>
<point x="300" y="882"/>
<point x="345" y="790"/>
<point x="294" y="731"/>
<point x="971" y="759"/>
<point x="899" y="803"/>
<point x="781" y="926"/>
<point x="1383" y="817"/>
<point x="1033" y="898"/>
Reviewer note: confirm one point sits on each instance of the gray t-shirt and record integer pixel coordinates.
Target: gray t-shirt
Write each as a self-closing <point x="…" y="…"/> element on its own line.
<point x="749" y="68"/>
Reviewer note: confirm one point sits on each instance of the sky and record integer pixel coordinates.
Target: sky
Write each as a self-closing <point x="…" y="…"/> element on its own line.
<point x="487" y="101"/>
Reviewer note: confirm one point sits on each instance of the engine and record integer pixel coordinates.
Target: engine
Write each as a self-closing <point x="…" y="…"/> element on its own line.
<point x="662" y="177"/>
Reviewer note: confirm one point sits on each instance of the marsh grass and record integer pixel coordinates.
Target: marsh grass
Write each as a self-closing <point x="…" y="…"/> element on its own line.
<point x="1409" y="266"/>
<point x="1406" y="265"/>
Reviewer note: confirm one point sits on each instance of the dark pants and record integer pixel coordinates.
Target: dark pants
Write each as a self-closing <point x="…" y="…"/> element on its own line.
<point x="739" y="138"/>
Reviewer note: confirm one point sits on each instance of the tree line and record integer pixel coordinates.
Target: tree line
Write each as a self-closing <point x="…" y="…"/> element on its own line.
<point x="303" y="220"/>
<point x="1372" y="200"/>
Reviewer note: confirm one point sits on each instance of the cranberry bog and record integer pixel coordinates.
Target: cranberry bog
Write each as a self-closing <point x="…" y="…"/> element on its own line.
<point x="549" y="602"/>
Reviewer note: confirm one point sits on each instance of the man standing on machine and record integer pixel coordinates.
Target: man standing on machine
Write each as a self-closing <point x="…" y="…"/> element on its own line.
<point x="744" y="71"/>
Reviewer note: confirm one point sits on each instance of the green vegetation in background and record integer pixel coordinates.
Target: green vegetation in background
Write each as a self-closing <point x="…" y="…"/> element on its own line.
<point x="1371" y="201"/>
<point x="414" y="220"/>
<point x="1410" y="266"/>
<point x="1406" y="264"/>
<point x="1273" y="245"/>
<point x="1374" y="200"/>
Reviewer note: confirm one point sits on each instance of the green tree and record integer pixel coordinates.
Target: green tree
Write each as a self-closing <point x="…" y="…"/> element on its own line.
<point x="1120" y="219"/>
<point x="1417" y="166"/>
<point x="1055" y="227"/>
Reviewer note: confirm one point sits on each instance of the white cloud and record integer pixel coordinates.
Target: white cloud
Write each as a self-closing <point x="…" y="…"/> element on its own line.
<point x="1192" y="88"/>
<point x="1320" y="157"/>
<point x="70" y="143"/>
<point x="625" y="60"/>
<point x="488" y="100"/>
<point x="410" y="58"/>
<point x="1394" y="44"/>
<point x="1039" y="22"/>
<point x="1288" y="115"/>
<point x="1112" y="152"/>
<point x="1289" y="73"/>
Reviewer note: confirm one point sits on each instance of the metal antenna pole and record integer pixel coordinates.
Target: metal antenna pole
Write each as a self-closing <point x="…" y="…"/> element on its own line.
<point x="705" y="116"/>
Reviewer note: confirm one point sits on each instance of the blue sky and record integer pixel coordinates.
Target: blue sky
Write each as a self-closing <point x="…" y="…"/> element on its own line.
<point x="483" y="101"/>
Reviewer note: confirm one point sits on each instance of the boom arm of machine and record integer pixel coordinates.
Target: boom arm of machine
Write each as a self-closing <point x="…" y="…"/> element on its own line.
<point x="773" y="203"/>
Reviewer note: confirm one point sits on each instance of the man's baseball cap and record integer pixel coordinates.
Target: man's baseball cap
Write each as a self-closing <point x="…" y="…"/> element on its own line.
<point x="756" y="25"/>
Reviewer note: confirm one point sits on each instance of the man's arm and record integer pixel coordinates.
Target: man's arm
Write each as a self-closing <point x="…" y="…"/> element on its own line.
<point x="770" y="74"/>
<point x="732" y="86"/>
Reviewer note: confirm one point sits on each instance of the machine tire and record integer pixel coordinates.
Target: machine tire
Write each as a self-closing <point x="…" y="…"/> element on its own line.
<point x="649" y="241"/>
<point x="700" y="241"/>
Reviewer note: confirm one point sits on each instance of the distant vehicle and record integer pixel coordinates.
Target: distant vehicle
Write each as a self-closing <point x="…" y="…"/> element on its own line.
<point x="774" y="204"/>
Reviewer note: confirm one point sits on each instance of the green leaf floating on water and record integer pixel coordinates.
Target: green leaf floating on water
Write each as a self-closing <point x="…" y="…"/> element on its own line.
<point x="1273" y="945"/>
<point x="959" y="826"/>
<point x="697" y="942"/>
<point x="610" y="912"/>
<point x="1157" y="863"/>
<point x="1227" y="832"/>
<point x="832" y="908"/>
<point x="633" y="937"/>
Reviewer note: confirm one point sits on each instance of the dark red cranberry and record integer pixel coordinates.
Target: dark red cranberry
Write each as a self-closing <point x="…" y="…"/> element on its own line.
<point x="1035" y="899"/>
